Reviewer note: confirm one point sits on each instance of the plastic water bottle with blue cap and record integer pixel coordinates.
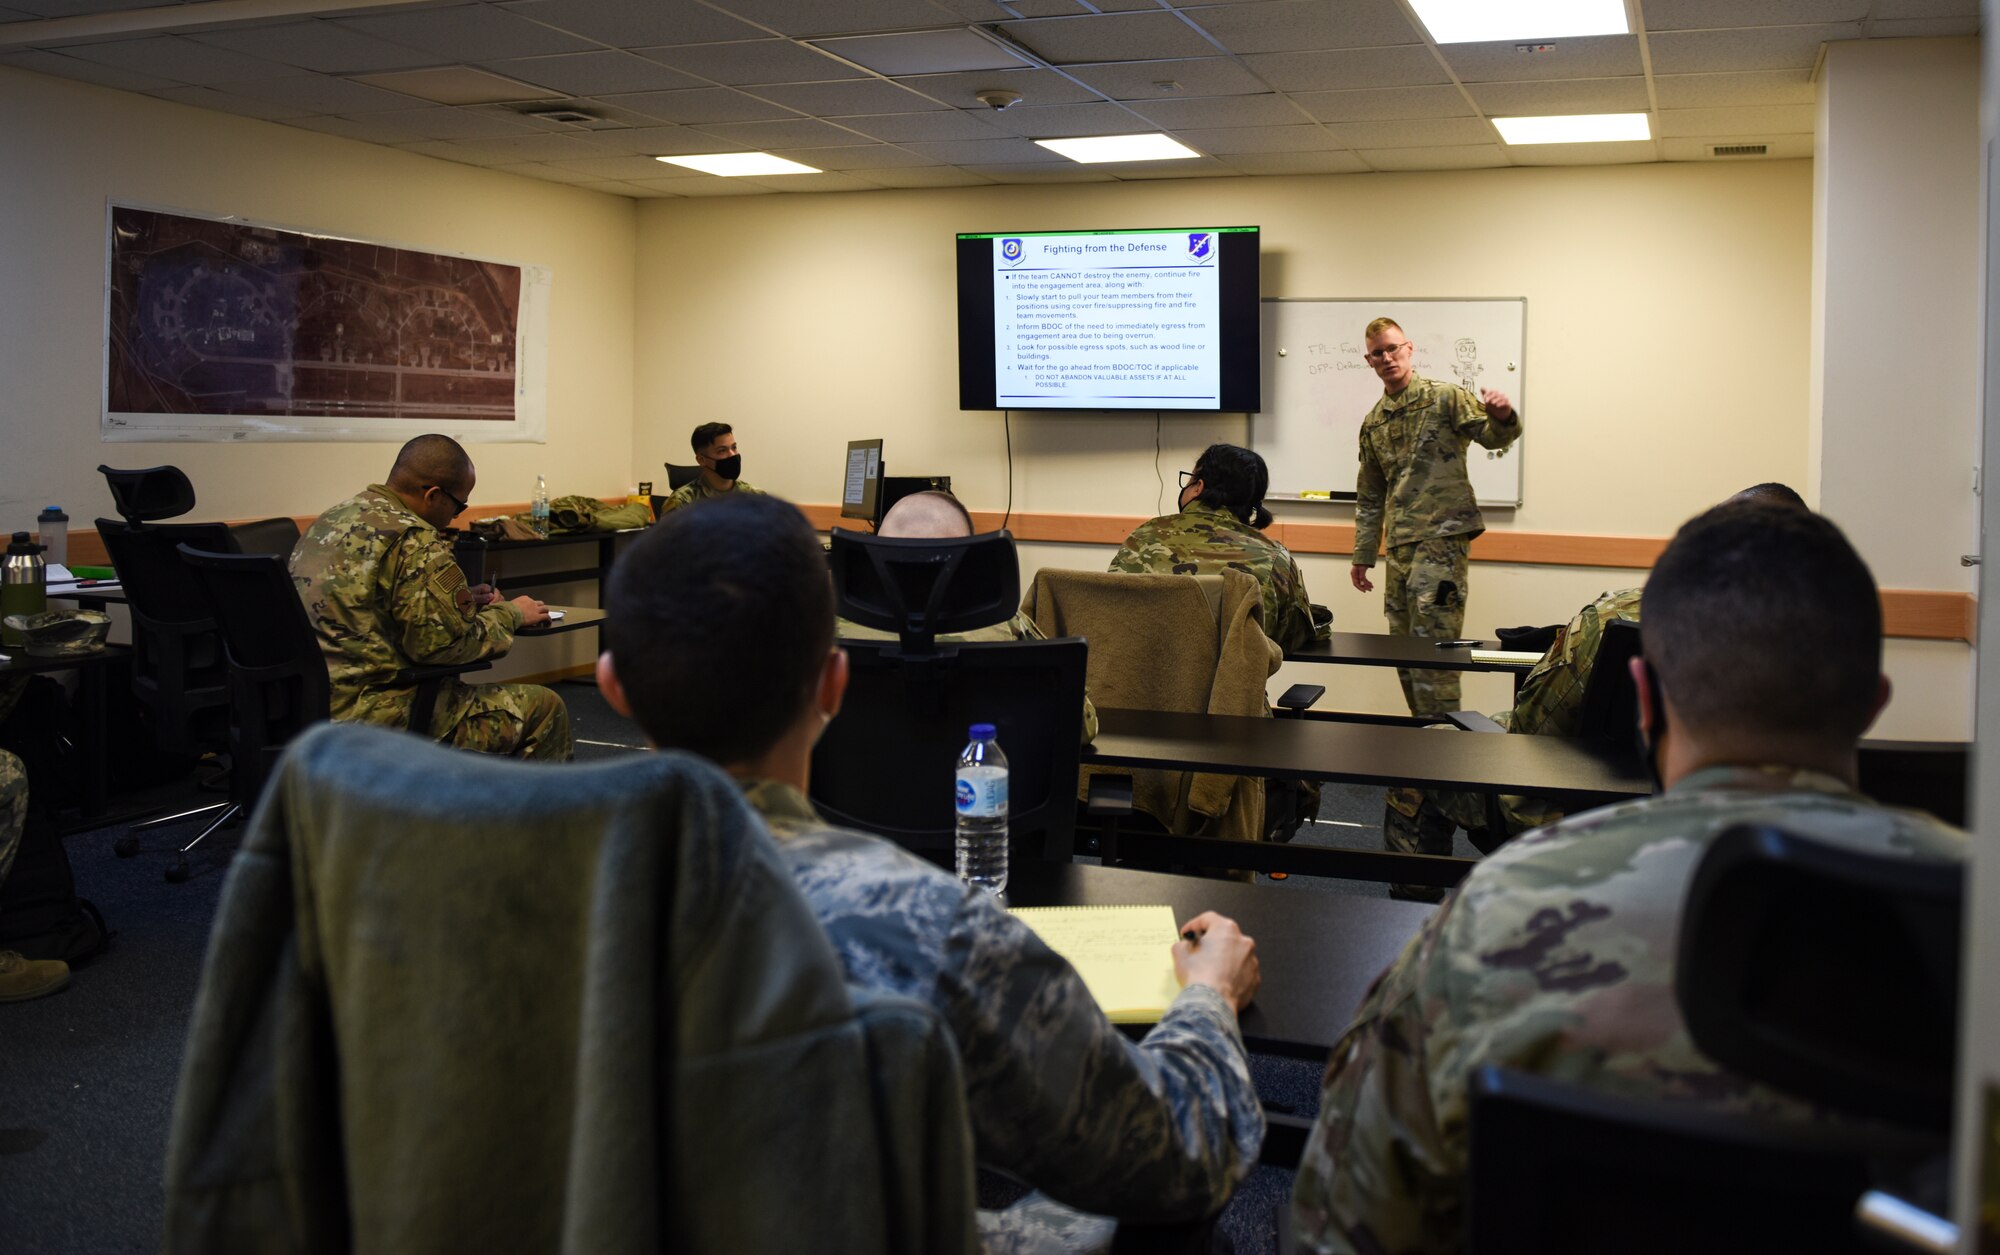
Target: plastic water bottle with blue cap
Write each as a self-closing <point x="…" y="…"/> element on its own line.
<point x="982" y="811"/>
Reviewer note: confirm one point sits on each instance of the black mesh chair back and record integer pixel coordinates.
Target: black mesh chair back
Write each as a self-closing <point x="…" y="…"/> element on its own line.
<point x="145" y="496"/>
<point x="1925" y="775"/>
<point x="679" y="477"/>
<point x="277" y="676"/>
<point x="178" y="669"/>
<point x="924" y="588"/>
<point x="1609" y="710"/>
<point x="278" y="536"/>
<point x="1827" y="972"/>
<point x="1559" y="1169"/>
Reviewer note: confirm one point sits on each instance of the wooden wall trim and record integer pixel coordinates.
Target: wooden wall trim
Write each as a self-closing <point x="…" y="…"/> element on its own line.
<point x="1907" y="613"/>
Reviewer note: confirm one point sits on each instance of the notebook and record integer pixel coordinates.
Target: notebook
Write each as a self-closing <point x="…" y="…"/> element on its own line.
<point x="1523" y="656"/>
<point x="1124" y="954"/>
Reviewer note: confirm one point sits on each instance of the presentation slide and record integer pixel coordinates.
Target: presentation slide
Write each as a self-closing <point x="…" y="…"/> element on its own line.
<point x="1107" y="320"/>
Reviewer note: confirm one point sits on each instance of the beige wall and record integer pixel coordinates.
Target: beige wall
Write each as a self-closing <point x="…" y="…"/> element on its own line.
<point x="67" y="148"/>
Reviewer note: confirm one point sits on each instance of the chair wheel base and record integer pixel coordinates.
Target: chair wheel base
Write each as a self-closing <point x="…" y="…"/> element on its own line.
<point x="177" y="873"/>
<point x="125" y="847"/>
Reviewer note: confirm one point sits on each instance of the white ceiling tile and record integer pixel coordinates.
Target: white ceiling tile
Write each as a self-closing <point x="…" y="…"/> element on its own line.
<point x="1629" y="152"/>
<point x="1893" y="10"/>
<point x="1761" y="48"/>
<point x="830" y="181"/>
<point x="322" y="93"/>
<point x="1749" y="120"/>
<point x="179" y="59"/>
<point x="1781" y="148"/>
<point x="509" y="149"/>
<point x="1265" y="110"/>
<point x="929" y="176"/>
<point x="1413" y="133"/>
<point x="961" y="91"/>
<point x="1065" y="172"/>
<point x="1047" y="8"/>
<point x="440" y="122"/>
<point x="847" y="97"/>
<point x="1464" y="157"/>
<point x="323" y="46"/>
<point x="654" y="141"/>
<point x="637" y="23"/>
<point x="800" y="18"/>
<point x="1063" y="121"/>
<point x="979" y="10"/>
<point x="1576" y="95"/>
<point x="1332" y="161"/>
<point x="1381" y="104"/>
<point x="703" y="185"/>
<point x="1598" y="56"/>
<point x="42" y="61"/>
<point x="1199" y="76"/>
<point x="1674" y="15"/>
<point x="1925" y="28"/>
<point x="954" y="51"/>
<point x="1337" y="70"/>
<point x="1186" y="168"/>
<point x="1759" y="87"/>
<point x="1110" y="37"/>
<point x="1304" y="25"/>
<point x="1225" y="141"/>
<point x="367" y="128"/>
<point x="467" y="32"/>
<point x="899" y="128"/>
<point x="757" y="61"/>
<point x="707" y="104"/>
<point x="229" y="102"/>
<point x="868" y="157"/>
<point x="984" y="152"/>
<point x="595" y="73"/>
<point x="783" y="133"/>
<point x="546" y="172"/>
<point x="624" y="167"/>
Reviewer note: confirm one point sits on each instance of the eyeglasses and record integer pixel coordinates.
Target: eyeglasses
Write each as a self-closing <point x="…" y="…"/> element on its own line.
<point x="1187" y="477"/>
<point x="462" y="506"/>
<point x="1386" y="352"/>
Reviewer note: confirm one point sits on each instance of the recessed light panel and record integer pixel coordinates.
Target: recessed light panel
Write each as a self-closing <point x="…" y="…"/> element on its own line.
<point x="739" y="165"/>
<point x="1487" y="21"/>
<point x="1579" y="128"/>
<point x="1092" y="149"/>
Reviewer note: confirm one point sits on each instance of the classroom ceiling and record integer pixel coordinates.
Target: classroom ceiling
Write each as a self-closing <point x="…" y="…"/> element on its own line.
<point x="882" y="93"/>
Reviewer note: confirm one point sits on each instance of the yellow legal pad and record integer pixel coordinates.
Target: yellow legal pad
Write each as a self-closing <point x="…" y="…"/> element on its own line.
<point x="1124" y="954"/>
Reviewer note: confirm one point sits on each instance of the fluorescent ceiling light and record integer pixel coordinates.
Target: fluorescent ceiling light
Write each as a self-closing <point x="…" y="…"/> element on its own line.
<point x="737" y="165"/>
<point x="1576" y="128"/>
<point x="1486" y="21"/>
<point x="1096" y="148"/>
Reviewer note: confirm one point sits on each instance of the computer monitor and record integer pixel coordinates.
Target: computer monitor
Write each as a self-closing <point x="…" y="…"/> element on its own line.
<point x="861" y="491"/>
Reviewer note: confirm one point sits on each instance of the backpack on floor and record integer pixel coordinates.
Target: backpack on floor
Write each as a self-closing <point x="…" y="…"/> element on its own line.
<point x="40" y="914"/>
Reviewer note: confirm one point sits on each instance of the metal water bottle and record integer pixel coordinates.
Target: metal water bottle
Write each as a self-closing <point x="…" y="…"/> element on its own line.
<point x="24" y="584"/>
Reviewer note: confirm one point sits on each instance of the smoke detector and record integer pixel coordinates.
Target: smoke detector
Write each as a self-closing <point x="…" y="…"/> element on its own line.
<point x="997" y="98"/>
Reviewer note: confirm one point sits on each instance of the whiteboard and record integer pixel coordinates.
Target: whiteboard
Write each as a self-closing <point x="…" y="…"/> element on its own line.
<point x="1317" y="389"/>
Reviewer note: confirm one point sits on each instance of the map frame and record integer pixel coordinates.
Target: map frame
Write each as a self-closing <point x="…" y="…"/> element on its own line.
<point x="247" y="276"/>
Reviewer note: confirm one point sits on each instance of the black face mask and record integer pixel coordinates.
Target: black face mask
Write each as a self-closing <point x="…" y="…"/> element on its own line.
<point x="731" y="467"/>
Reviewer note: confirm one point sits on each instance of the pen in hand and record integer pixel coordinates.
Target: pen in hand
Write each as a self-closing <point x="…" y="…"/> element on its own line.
<point x="1190" y="936"/>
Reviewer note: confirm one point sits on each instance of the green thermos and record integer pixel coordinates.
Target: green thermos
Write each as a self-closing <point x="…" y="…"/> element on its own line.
<point x="24" y="584"/>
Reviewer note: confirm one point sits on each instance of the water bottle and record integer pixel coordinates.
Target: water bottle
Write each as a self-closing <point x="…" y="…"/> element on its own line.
<point x="53" y="528"/>
<point x="541" y="508"/>
<point x="982" y="811"/>
<point x="24" y="586"/>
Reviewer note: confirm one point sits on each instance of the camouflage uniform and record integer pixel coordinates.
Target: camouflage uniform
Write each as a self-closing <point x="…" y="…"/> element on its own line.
<point x="1413" y="469"/>
<point x="1159" y="1130"/>
<point x="1018" y="628"/>
<point x="13" y="809"/>
<point x="1549" y="704"/>
<point x="1555" y="956"/>
<point x="1201" y="540"/>
<point x="697" y="489"/>
<point x="384" y="594"/>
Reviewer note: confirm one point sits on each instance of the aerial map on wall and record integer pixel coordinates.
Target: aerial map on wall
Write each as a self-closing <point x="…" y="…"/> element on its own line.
<point x="231" y="330"/>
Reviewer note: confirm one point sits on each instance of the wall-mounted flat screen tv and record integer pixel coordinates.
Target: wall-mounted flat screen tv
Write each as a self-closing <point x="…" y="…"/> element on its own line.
<point x="1149" y="319"/>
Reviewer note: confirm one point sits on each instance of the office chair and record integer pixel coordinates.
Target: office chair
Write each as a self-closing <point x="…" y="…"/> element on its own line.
<point x="277" y="678"/>
<point x="274" y="536"/>
<point x="526" y="1008"/>
<point x="679" y="477"/>
<point x="886" y="762"/>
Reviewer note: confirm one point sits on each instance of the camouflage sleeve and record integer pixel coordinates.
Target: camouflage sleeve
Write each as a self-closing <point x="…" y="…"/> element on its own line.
<point x="1133" y="557"/>
<point x="1379" y="1174"/>
<point x="1553" y="690"/>
<point x="431" y="606"/>
<point x="676" y="499"/>
<point x="1470" y="419"/>
<point x="1161" y="1130"/>
<point x="13" y="809"/>
<point x="1292" y="620"/>
<point x="1371" y="491"/>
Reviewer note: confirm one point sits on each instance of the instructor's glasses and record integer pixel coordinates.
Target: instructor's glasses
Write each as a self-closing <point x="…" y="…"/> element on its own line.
<point x="1386" y="352"/>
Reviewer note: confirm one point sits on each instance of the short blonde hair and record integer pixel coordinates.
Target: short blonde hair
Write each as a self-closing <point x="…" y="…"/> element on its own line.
<point x="1380" y="325"/>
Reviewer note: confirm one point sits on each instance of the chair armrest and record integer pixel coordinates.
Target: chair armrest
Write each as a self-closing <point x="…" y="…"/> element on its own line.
<point x="1109" y="795"/>
<point x="1473" y="721"/>
<point x="429" y="680"/>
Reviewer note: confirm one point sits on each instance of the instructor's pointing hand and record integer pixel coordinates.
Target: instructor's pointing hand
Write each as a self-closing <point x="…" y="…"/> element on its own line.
<point x="1359" y="574"/>
<point x="1496" y="404"/>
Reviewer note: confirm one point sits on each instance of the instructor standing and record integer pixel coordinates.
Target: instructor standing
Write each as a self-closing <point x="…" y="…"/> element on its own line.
<point x="1413" y="471"/>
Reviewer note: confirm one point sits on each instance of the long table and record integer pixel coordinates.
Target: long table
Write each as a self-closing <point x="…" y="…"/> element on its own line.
<point x="1378" y="649"/>
<point x="1319" y="951"/>
<point x="477" y="556"/>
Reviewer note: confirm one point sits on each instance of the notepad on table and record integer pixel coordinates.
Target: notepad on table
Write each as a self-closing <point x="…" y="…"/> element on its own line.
<point x="1124" y="954"/>
<point x="1526" y="658"/>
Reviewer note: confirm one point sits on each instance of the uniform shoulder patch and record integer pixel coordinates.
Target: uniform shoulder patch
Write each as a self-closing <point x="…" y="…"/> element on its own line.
<point x="445" y="579"/>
